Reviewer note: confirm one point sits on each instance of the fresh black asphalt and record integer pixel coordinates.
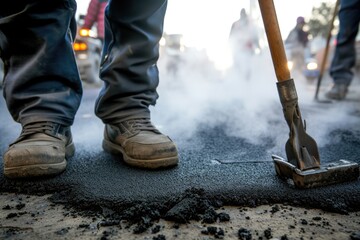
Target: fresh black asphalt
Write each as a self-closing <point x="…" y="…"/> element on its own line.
<point x="223" y="167"/>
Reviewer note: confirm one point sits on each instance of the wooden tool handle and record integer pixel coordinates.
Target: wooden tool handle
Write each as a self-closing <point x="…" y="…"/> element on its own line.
<point x="274" y="39"/>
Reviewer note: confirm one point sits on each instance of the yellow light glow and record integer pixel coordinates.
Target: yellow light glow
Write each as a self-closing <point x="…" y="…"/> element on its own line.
<point x="80" y="46"/>
<point x="85" y="32"/>
<point x="290" y="65"/>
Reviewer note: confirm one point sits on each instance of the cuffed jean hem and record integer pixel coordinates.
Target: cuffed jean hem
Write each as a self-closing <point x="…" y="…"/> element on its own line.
<point x="347" y="82"/>
<point x="55" y="119"/>
<point x="127" y="115"/>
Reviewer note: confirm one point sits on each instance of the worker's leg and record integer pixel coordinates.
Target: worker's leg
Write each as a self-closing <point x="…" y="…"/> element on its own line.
<point x="42" y="88"/>
<point x="345" y="54"/>
<point x="131" y="49"/>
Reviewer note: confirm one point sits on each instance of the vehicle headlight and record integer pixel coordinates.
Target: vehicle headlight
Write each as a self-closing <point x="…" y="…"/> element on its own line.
<point x="311" y="66"/>
<point x="290" y="65"/>
<point x="80" y="46"/>
<point x="84" y="32"/>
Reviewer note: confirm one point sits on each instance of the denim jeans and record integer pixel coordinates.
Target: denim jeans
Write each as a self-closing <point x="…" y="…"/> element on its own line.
<point x="42" y="82"/>
<point x="345" y="56"/>
<point x="131" y="49"/>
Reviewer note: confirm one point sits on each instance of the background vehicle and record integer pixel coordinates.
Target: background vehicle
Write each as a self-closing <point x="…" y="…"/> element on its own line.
<point x="87" y="48"/>
<point x="311" y="69"/>
<point x="297" y="57"/>
<point x="313" y="65"/>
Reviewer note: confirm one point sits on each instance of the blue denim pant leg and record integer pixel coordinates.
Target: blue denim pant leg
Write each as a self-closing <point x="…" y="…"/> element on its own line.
<point x="345" y="55"/>
<point x="41" y="80"/>
<point x="131" y="49"/>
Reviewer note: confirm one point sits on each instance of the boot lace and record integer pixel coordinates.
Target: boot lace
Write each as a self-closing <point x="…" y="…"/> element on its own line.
<point x="47" y="128"/>
<point x="142" y="124"/>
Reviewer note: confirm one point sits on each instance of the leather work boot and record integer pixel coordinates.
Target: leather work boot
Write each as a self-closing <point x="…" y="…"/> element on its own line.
<point x="41" y="150"/>
<point x="337" y="92"/>
<point x="140" y="144"/>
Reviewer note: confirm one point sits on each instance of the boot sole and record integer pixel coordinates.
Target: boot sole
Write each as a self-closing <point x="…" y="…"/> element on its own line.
<point x="35" y="170"/>
<point x="39" y="170"/>
<point x="140" y="163"/>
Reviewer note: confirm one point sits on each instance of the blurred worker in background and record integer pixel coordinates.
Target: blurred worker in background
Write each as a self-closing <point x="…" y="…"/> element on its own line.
<point x="243" y="35"/>
<point x="43" y="91"/>
<point x="345" y="55"/>
<point x="95" y="15"/>
<point x="244" y="42"/>
<point x="296" y="44"/>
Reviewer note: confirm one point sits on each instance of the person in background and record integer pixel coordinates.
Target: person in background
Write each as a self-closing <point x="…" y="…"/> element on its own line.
<point x="43" y="91"/>
<point x="296" y="43"/>
<point x="244" y="44"/>
<point x="345" y="55"/>
<point x="95" y="15"/>
<point x="243" y="36"/>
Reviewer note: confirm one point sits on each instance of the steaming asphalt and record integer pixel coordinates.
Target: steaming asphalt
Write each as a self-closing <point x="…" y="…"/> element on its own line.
<point x="226" y="167"/>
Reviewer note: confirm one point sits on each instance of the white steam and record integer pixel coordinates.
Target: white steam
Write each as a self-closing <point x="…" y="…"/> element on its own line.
<point x="244" y="100"/>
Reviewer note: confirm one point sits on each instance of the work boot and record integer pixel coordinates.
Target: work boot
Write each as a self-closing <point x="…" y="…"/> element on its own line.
<point x="41" y="150"/>
<point x="337" y="92"/>
<point x="140" y="144"/>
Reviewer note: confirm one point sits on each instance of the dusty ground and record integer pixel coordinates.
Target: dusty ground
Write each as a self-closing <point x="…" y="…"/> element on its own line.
<point x="36" y="217"/>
